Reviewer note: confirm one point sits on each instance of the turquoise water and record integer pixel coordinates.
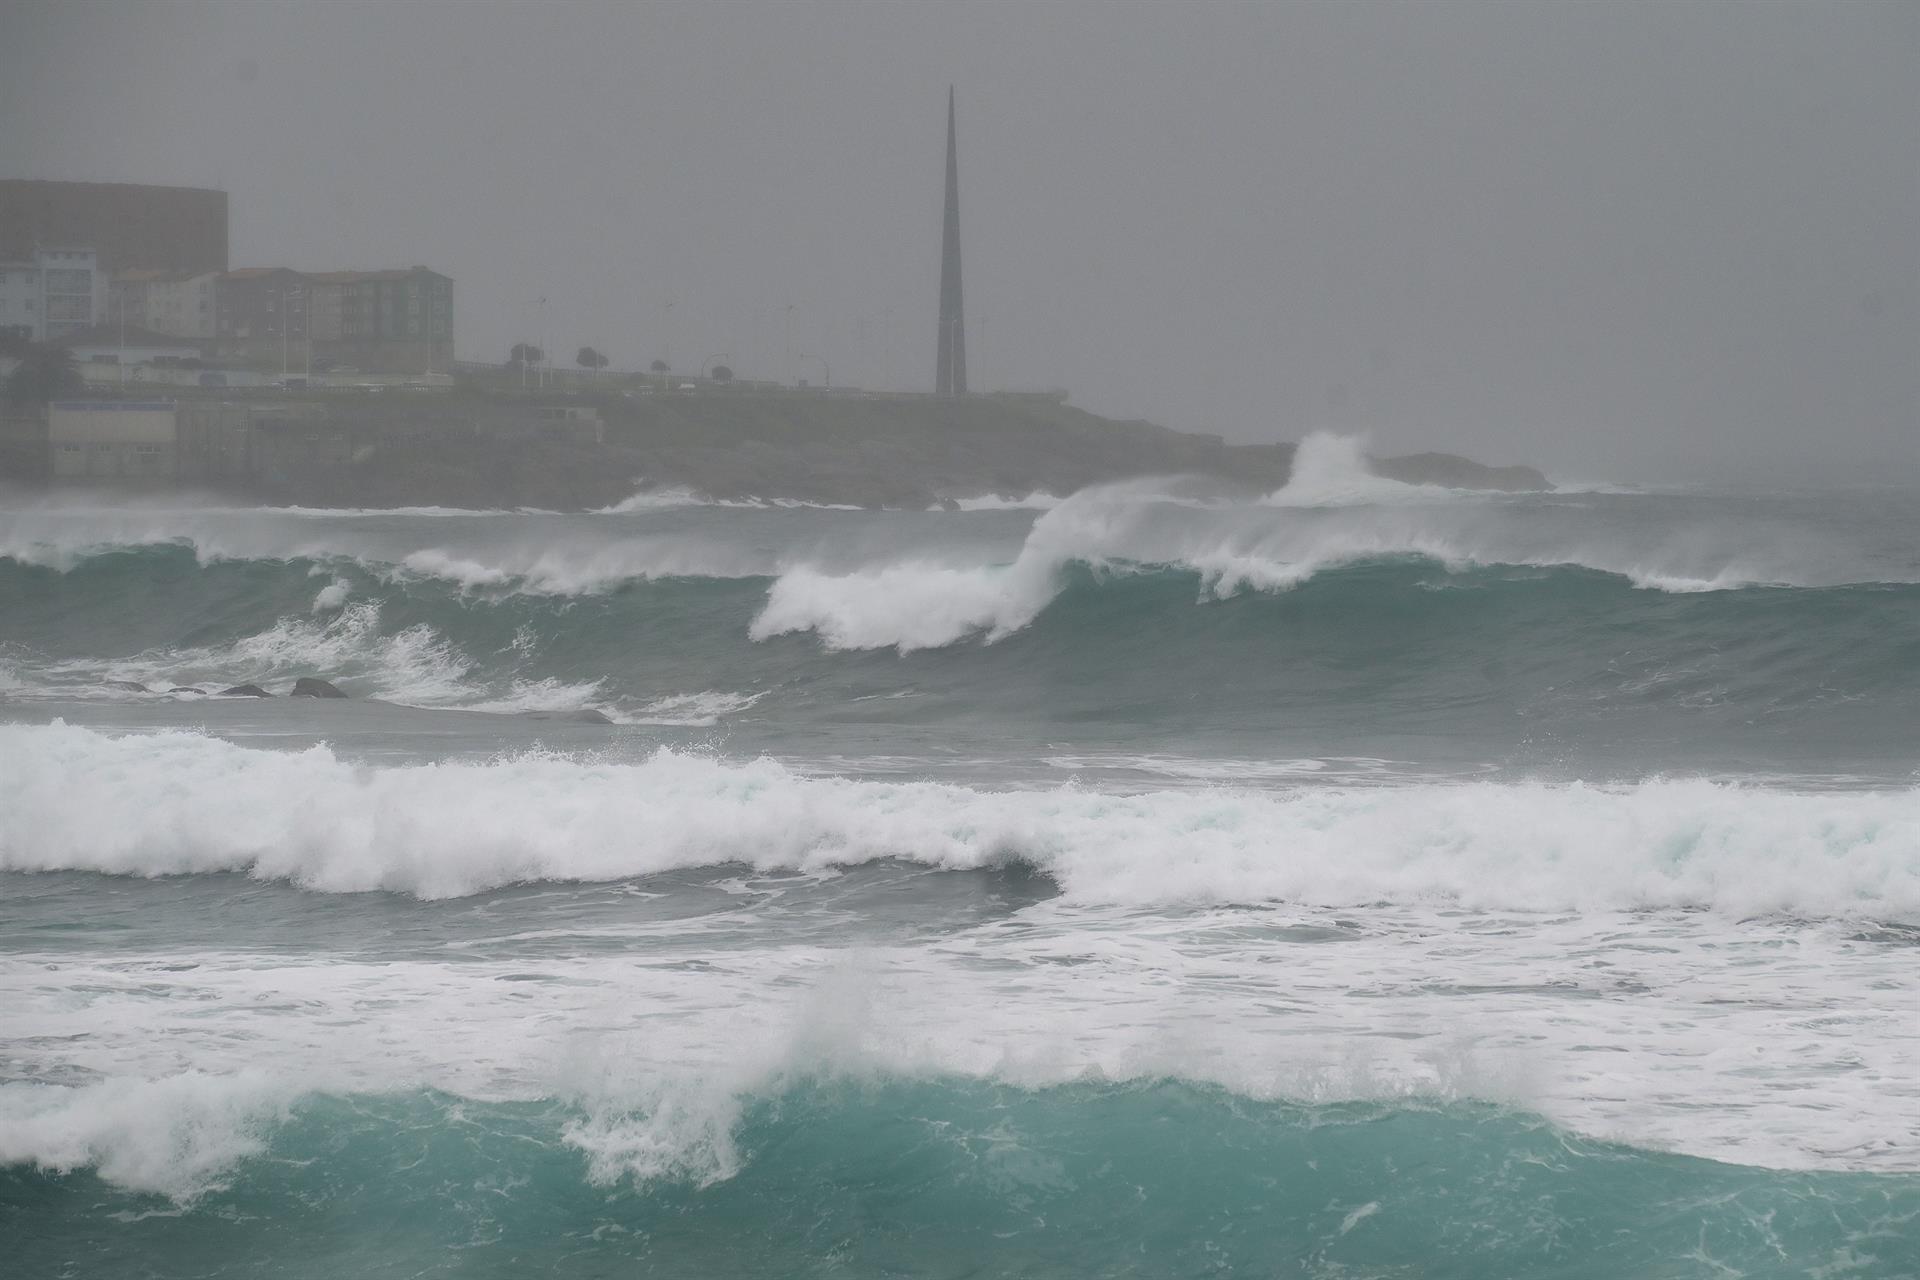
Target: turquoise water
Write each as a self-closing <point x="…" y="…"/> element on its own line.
<point x="955" y="1178"/>
<point x="1372" y="881"/>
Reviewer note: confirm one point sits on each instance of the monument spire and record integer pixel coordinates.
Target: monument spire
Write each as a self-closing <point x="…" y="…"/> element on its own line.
<point x="951" y="369"/>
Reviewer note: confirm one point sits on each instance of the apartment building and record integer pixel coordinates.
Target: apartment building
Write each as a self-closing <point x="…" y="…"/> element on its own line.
<point x="50" y="293"/>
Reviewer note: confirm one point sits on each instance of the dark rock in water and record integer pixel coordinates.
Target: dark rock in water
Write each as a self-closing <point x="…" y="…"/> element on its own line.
<point x="185" y="688"/>
<point x="245" y="691"/>
<point x="308" y="687"/>
<point x="585" y="715"/>
<point x="131" y="686"/>
<point x="1454" y="472"/>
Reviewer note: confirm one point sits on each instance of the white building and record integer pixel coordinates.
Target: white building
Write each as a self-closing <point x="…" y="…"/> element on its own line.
<point x="58" y="292"/>
<point x="182" y="305"/>
<point x="22" y="300"/>
<point x="164" y="302"/>
<point x="114" y="343"/>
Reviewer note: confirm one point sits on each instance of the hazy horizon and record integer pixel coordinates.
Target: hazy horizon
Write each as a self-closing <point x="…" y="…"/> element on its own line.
<point x="1615" y="242"/>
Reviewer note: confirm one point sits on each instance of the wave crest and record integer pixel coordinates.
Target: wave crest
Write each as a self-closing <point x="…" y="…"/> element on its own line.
<point x="172" y="803"/>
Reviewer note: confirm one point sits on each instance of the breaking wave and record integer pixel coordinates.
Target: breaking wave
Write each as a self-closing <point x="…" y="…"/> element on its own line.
<point x="175" y="803"/>
<point x="1333" y="471"/>
<point x="1125" y="530"/>
<point x="670" y="497"/>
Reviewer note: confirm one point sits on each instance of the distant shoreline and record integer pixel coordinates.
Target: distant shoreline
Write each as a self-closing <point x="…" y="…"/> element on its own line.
<point x="582" y="451"/>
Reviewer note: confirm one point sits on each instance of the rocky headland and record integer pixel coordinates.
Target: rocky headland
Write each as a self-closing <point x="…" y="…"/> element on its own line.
<point x="480" y="449"/>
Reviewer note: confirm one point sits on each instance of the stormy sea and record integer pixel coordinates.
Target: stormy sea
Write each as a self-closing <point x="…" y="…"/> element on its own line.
<point x="1362" y="880"/>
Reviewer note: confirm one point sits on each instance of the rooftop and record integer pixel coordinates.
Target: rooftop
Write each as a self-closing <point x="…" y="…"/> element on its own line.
<point x="359" y="277"/>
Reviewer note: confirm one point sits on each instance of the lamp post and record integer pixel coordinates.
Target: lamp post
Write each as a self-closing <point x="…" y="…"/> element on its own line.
<point x="546" y="357"/>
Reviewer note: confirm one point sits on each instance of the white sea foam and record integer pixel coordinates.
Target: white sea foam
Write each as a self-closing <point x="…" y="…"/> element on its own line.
<point x="581" y="570"/>
<point x="345" y="641"/>
<point x="1038" y="500"/>
<point x="362" y="513"/>
<point x="1334" y="514"/>
<point x="169" y="803"/>
<point x="1775" y="1042"/>
<point x="923" y="604"/>
<point x="907" y="606"/>
<point x="548" y="694"/>
<point x="332" y="596"/>
<point x="341" y="639"/>
<point x="916" y="582"/>
<point x="414" y="665"/>
<point x="550" y="556"/>
<point x="668" y="497"/>
<point x="177" y="1135"/>
<point x="692" y="710"/>
<point x="1333" y="471"/>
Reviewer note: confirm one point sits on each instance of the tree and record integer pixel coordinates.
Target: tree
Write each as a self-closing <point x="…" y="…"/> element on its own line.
<point x="44" y="374"/>
<point x="526" y="353"/>
<point x="591" y="359"/>
<point x="721" y="373"/>
<point x="661" y="366"/>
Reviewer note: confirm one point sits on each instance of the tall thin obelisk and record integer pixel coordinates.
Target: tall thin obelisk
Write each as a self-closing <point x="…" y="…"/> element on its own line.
<point x="950" y="378"/>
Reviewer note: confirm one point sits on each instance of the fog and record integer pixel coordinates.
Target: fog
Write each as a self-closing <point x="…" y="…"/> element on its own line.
<point x="1617" y="241"/>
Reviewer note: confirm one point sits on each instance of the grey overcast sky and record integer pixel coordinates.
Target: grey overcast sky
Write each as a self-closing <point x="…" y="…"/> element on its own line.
<point x="1622" y="240"/>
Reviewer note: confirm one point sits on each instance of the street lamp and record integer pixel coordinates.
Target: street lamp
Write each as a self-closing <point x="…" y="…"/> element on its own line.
<point x="546" y="356"/>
